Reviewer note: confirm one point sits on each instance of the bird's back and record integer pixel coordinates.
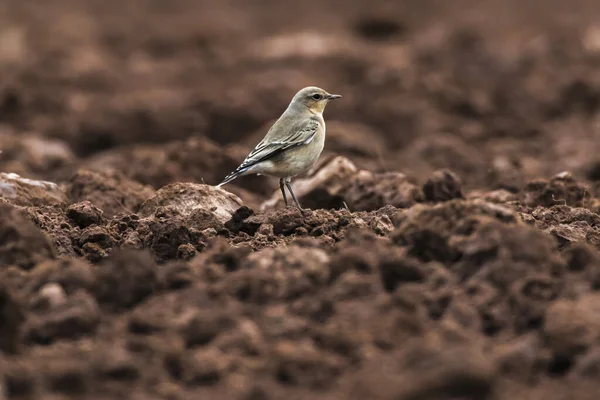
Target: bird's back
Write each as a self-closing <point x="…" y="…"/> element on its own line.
<point x="291" y="121"/>
<point x="295" y="160"/>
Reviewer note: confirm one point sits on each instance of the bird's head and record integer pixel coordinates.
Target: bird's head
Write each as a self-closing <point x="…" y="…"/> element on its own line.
<point x="313" y="98"/>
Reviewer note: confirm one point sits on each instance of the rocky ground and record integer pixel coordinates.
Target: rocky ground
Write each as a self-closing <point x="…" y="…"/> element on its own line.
<point x="450" y="249"/>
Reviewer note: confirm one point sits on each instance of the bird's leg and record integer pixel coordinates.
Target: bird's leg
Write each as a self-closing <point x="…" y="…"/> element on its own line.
<point x="283" y="191"/>
<point x="289" y="186"/>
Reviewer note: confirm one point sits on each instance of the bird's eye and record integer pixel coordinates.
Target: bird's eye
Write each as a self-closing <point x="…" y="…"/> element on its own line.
<point x="317" y="96"/>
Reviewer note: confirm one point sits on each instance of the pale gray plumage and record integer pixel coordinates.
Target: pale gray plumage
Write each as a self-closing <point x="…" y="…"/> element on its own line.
<point x="294" y="142"/>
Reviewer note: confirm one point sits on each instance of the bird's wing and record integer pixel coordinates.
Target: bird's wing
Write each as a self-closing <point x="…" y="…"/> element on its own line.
<point x="299" y="134"/>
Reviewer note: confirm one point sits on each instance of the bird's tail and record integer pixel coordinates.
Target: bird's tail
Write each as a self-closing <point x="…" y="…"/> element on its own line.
<point x="232" y="176"/>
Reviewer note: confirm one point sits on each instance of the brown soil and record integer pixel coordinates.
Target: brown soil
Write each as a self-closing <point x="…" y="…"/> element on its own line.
<point x="450" y="249"/>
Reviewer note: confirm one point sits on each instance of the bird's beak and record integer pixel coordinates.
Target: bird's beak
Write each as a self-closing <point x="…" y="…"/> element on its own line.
<point x="333" y="97"/>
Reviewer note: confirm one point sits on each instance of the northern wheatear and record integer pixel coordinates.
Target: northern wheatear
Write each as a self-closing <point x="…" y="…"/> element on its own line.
<point x="293" y="144"/>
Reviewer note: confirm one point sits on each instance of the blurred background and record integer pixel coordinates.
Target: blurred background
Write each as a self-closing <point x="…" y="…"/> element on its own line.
<point x="499" y="91"/>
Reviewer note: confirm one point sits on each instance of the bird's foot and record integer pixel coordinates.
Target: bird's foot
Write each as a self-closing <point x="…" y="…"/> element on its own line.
<point x="303" y="211"/>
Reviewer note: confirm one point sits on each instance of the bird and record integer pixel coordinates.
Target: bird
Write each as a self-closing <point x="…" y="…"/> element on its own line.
<point x="293" y="144"/>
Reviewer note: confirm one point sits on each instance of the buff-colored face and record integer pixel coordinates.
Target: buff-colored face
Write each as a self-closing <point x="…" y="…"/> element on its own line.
<point x="314" y="98"/>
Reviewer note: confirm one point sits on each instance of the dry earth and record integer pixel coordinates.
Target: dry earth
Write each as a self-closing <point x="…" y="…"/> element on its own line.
<point x="451" y="250"/>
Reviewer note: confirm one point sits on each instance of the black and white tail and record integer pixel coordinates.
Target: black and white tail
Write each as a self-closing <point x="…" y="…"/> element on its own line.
<point x="238" y="172"/>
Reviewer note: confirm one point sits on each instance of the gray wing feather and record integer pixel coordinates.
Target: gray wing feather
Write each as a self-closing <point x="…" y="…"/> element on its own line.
<point x="298" y="135"/>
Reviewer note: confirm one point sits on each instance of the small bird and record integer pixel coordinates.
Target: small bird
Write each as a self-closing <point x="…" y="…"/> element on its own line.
<point x="293" y="144"/>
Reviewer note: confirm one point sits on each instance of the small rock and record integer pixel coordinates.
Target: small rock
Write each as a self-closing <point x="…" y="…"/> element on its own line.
<point x="50" y="296"/>
<point x="29" y="192"/>
<point x="85" y="214"/>
<point x="185" y="198"/>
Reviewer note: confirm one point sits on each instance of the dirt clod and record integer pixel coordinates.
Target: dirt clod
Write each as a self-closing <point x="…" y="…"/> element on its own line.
<point x="125" y="278"/>
<point x="186" y="198"/>
<point x="12" y="316"/>
<point x="449" y="246"/>
<point x="85" y="214"/>
<point x="21" y="243"/>
<point x="77" y="317"/>
<point x="443" y="185"/>
<point x="108" y="190"/>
